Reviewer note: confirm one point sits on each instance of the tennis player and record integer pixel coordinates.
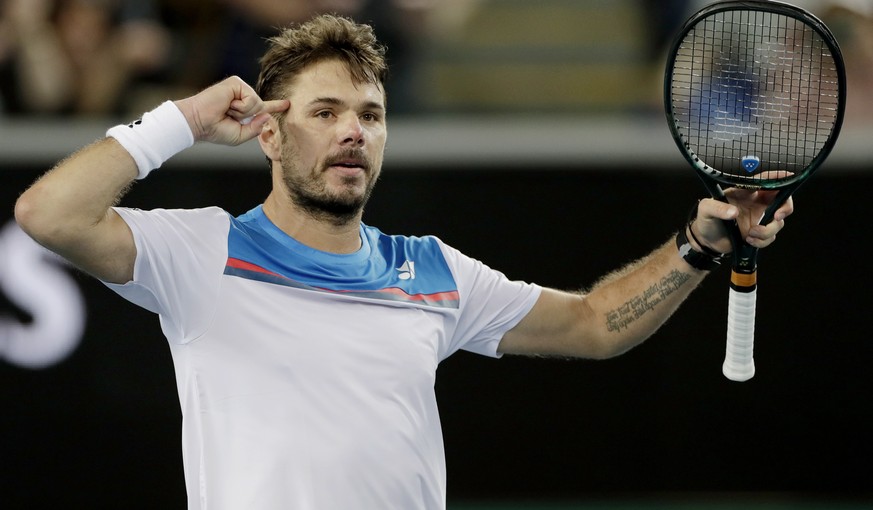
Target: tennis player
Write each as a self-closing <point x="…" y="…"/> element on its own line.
<point x="305" y="342"/>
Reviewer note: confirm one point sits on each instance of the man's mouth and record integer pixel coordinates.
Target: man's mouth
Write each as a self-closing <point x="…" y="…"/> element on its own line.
<point x="348" y="163"/>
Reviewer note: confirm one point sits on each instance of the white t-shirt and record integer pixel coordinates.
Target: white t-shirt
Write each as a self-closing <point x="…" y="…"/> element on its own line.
<point x="306" y="378"/>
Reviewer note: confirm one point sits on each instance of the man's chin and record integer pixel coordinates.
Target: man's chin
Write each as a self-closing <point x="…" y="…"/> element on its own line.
<point x="338" y="210"/>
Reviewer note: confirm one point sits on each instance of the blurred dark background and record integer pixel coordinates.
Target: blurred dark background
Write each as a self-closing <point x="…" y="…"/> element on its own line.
<point x="102" y="426"/>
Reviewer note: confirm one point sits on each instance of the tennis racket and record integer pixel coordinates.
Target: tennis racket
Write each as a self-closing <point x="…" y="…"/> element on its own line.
<point x="754" y="94"/>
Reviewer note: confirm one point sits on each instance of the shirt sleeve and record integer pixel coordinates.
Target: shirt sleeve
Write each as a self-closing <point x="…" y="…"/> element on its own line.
<point x="180" y="256"/>
<point x="491" y="304"/>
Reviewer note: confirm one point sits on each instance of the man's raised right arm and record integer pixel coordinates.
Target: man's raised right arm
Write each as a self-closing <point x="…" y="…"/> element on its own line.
<point x="69" y="209"/>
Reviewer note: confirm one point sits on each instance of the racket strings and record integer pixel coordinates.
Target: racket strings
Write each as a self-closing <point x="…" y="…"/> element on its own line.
<point x="754" y="94"/>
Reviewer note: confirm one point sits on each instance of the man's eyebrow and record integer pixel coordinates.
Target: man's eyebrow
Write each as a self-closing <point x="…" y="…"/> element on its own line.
<point x="369" y="105"/>
<point x="374" y="105"/>
<point x="325" y="100"/>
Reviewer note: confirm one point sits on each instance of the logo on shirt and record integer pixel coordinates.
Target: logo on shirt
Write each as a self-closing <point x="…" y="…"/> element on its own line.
<point x="407" y="270"/>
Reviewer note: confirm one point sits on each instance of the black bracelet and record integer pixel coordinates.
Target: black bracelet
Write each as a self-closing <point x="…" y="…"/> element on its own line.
<point x="707" y="260"/>
<point x="696" y="259"/>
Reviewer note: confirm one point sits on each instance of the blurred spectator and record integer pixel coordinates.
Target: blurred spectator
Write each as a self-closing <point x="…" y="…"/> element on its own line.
<point x="402" y="25"/>
<point x="851" y="21"/>
<point x="246" y="28"/>
<point x="665" y="17"/>
<point x="852" y="24"/>
<point x="76" y="56"/>
<point x="112" y="57"/>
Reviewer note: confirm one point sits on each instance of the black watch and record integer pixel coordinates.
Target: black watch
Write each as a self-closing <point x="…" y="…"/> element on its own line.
<point x="696" y="259"/>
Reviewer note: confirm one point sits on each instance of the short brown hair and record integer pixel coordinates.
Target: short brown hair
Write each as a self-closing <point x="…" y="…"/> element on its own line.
<point x="324" y="37"/>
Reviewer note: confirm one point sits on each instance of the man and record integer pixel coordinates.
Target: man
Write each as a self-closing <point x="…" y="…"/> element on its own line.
<point x="305" y="342"/>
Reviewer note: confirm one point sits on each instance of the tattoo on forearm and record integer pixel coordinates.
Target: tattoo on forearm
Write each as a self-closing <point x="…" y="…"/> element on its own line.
<point x="623" y="316"/>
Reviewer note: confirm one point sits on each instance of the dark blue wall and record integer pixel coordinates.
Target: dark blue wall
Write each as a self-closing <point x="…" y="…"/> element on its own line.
<point x="101" y="429"/>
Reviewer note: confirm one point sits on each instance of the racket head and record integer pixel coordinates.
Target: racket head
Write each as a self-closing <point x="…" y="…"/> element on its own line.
<point x="754" y="93"/>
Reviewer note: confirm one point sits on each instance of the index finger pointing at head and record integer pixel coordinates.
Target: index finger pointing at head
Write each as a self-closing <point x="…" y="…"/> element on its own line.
<point x="254" y="123"/>
<point x="245" y="115"/>
<point x="276" y="106"/>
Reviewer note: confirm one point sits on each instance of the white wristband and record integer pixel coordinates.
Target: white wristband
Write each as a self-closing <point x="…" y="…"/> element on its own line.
<point x="153" y="139"/>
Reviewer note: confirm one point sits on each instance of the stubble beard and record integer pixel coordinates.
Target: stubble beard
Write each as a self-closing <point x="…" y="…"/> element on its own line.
<point x="308" y="190"/>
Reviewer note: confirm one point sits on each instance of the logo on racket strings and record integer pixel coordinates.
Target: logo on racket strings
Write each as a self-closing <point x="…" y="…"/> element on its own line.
<point x="751" y="163"/>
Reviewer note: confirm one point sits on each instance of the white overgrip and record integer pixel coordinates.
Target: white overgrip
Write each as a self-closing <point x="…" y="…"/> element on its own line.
<point x="739" y="364"/>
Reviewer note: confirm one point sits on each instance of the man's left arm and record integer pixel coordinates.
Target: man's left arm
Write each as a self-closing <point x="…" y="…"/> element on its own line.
<point x="629" y="305"/>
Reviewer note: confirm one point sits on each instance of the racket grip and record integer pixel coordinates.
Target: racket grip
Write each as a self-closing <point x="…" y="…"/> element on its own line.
<point x="739" y="364"/>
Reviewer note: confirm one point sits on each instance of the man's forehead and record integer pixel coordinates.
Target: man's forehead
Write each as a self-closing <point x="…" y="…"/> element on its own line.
<point x="328" y="78"/>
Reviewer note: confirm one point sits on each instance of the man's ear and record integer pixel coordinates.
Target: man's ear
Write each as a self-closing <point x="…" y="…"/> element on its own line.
<point x="271" y="139"/>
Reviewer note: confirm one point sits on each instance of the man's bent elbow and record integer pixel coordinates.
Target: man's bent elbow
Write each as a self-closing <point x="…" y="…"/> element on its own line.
<point x="26" y="213"/>
<point x="32" y="216"/>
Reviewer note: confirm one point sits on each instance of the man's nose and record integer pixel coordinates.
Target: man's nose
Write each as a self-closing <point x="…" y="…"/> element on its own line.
<point x="351" y="132"/>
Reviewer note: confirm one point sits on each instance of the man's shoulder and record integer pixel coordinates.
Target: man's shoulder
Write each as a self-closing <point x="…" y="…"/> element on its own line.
<point x="193" y="222"/>
<point x="213" y="212"/>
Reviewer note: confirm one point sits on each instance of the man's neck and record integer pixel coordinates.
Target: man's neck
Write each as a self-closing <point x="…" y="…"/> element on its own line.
<point x="317" y="233"/>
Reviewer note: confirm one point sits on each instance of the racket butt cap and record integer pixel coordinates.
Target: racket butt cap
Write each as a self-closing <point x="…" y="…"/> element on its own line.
<point x="737" y="372"/>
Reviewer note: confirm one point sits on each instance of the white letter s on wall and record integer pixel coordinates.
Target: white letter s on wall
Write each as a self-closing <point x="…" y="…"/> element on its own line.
<point x="33" y="278"/>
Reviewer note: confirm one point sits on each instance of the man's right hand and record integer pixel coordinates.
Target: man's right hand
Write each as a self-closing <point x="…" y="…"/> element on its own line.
<point x="229" y="112"/>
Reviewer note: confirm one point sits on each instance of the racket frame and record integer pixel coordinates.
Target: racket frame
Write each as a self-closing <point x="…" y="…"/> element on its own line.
<point x="743" y="288"/>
